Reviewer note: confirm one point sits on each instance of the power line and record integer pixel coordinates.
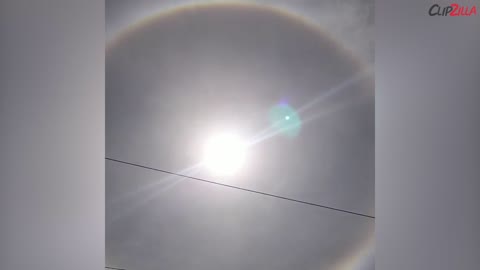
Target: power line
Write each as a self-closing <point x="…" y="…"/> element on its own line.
<point x="240" y="188"/>
<point x="114" y="268"/>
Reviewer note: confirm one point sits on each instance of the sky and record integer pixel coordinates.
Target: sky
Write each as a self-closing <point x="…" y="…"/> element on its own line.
<point x="174" y="81"/>
<point x="349" y="21"/>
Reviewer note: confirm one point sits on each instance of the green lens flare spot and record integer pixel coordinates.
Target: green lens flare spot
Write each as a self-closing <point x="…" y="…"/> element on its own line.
<point x="285" y="120"/>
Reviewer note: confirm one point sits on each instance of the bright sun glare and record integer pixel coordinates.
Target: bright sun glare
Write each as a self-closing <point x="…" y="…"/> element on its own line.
<point x="224" y="154"/>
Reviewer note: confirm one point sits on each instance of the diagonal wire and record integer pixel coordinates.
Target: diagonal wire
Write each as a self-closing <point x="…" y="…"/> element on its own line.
<point x="114" y="268"/>
<point x="240" y="188"/>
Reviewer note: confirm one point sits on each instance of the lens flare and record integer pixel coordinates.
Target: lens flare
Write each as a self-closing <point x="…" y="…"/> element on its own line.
<point x="285" y="120"/>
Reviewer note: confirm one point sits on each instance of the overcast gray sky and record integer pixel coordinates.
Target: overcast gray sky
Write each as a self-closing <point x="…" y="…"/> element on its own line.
<point x="349" y="21"/>
<point x="172" y="82"/>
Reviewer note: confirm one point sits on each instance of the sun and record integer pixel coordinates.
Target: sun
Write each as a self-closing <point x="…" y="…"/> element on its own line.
<point x="224" y="154"/>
